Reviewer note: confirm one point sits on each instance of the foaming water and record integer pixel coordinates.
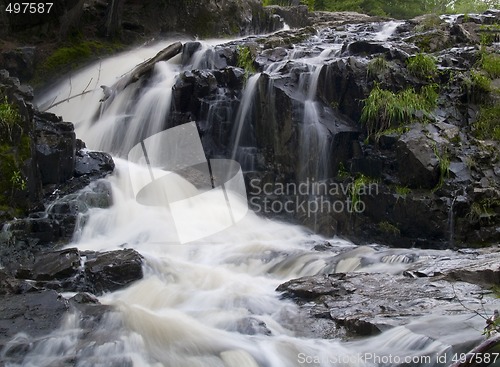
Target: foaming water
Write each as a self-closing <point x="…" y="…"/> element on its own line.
<point x="387" y="30"/>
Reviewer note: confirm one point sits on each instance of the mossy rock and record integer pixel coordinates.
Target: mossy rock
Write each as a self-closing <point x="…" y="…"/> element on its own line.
<point x="74" y="55"/>
<point x="432" y="41"/>
<point x="15" y="150"/>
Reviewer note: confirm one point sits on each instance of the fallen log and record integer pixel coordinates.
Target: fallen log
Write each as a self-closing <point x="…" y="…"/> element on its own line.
<point x="140" y="70"/>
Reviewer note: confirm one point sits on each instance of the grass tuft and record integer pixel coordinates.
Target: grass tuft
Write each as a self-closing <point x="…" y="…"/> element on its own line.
<point x="422" y="66"/>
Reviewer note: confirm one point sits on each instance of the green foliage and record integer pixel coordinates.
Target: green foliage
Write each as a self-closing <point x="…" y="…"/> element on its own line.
<point x="403" y="191"/>
<point x="389" y="228"/>
<point x="489" y="33"/>
<point x="377" y="66"/>
<point x="470" y="6"/>
<point x="384" y="109"/>
<point x="245" y="60"/>
<point x="73" y="55"/>
<point x="487" y="125"/>
<point x="18" y="181"/>
<point x="422" y="66"/>
<point x="482" y="210"/>
<point x="9" y="120"/>
<point x="357" y="188"/>
<point x="14" y="150"/>
<point x="490" y="63"/>
<point x="342" y="172"/>
<point x="444" y="166"/>
<point x="480" y="84"/>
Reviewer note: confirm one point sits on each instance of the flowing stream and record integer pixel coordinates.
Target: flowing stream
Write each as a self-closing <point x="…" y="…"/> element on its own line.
<point x="211" y="302"/>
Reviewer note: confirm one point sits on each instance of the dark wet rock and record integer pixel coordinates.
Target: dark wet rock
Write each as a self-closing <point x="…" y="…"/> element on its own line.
<point x="444" y="283"/>
<point x="212" y="18"/>
<point x="332" y="19"/>
<point x="109" y="271"/>
<point x="55" y="147"/>
<point x="52" y="266"/>
<point x="84" y="298"/>
<point x="10" y="285"/>
<point x="93" y="164"/>
<point x="188" y="50"/>
<point x="19" y="62"/>
<point x="363" y="48"/>
<point x="63" y="271"/>
<point x="367" y="304"/>
<point x="418" y="163"/>
<point x="295" y="16"/>
<point x="34" y="313"/>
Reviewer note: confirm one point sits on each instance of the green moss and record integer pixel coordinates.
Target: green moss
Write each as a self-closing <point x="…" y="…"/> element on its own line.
<point x="403" y="191"/>
<point x="389" y="228"/>
<point x="377" y="66"/>
<point x="74" y="55"/>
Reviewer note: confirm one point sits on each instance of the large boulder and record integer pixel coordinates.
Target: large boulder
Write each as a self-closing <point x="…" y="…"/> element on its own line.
<point x="109" y="271"/>
<point x="55" y="148"/>
<point x="417" y="160"/>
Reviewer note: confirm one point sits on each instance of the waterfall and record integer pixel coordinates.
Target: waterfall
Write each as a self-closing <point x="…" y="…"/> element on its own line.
<point x="387" y="30"/>
<point x="314" y="137"/>
<point x="243" y="117"/>
<point x="210" y="301"/>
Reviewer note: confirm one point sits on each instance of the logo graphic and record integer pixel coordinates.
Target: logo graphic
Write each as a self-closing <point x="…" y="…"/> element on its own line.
<point x="203" y="197"/>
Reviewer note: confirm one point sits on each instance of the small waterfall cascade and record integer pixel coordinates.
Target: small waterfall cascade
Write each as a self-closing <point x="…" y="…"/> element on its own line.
<point x="242" y="128"/>
<point x="387" y="30"/>
<point x="314" y="137"/>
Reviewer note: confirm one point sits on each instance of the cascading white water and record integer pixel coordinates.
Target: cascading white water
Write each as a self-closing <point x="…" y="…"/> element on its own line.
<point x="314" y="148"/>
<point x="196" y="301"/>
<point x="387" y="30"/>
<point x="243" y="115"/>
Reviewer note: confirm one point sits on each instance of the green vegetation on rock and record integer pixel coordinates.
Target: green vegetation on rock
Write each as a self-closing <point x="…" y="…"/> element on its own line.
<point x="73" y="55"/>
<point x="389" y="228"/>
<point x="444" y="166"/>
<point x="14" y="150"/>
<point x="245" y="60"/>
<point x="490" y="63"/>
<point x="377" y="66"/>
<point x="384" y="109"/>
<point x="422" y="66"/>
<point x="487" y="125"/>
